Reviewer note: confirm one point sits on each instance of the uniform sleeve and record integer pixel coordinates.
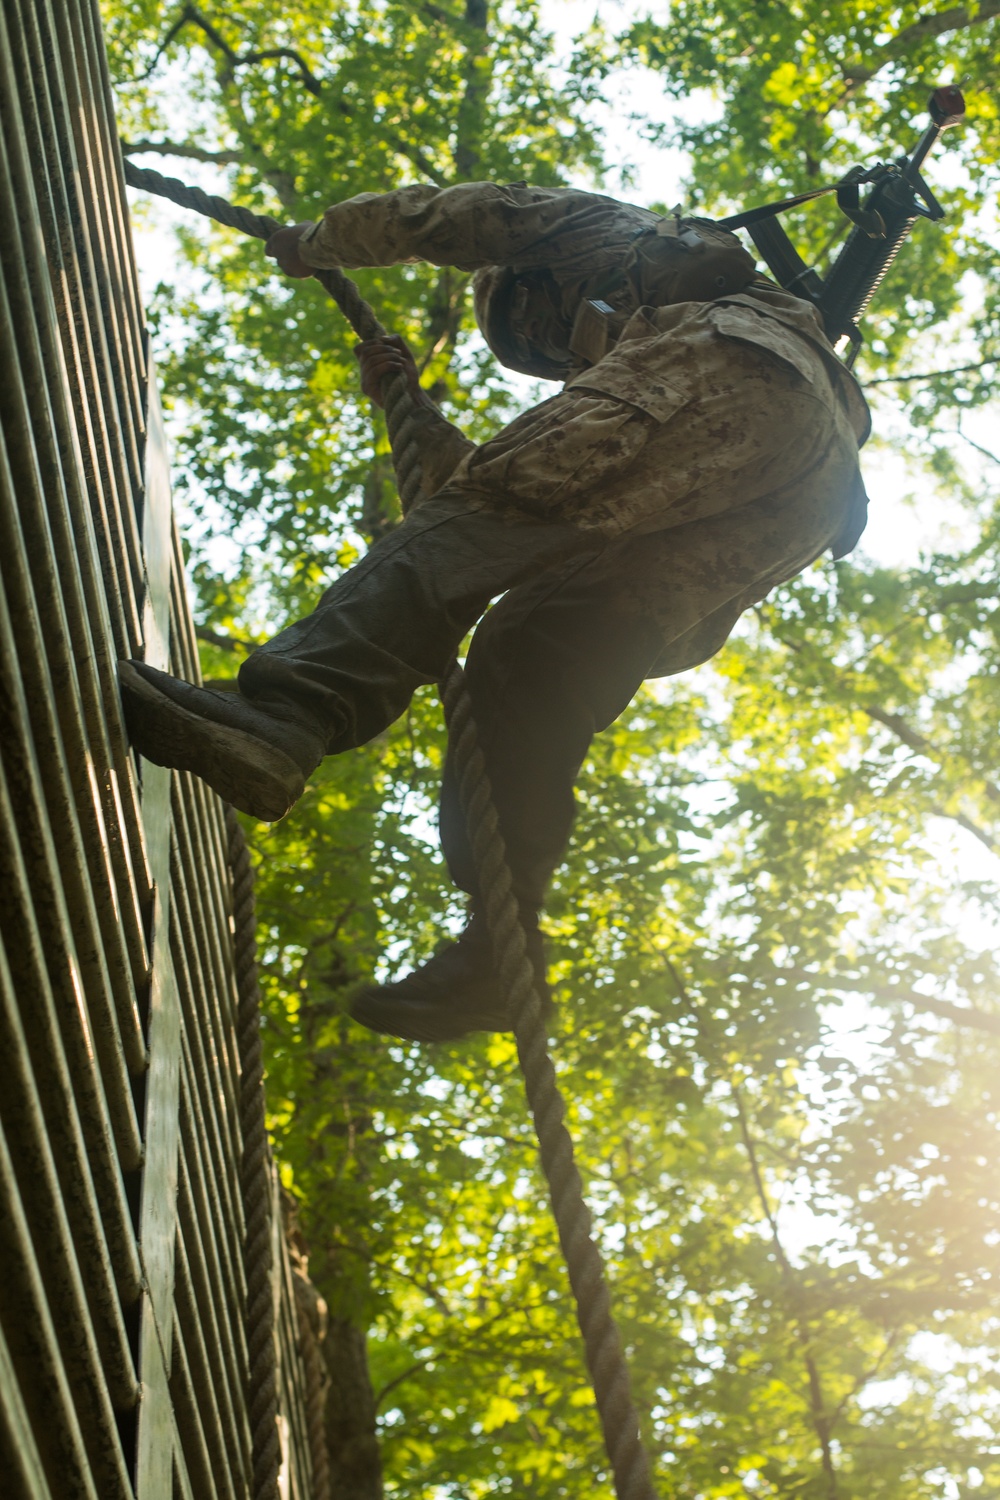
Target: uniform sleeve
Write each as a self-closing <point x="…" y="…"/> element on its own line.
<point x="441" y="446"/>
<point x="470" y="225"/>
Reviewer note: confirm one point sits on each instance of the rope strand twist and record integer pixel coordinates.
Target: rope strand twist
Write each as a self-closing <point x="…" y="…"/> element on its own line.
<point x="602" y="1343"/>
<point x="255" y="1180"/>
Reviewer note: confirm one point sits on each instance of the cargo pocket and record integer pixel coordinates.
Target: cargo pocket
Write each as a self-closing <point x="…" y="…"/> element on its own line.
<point x="619" y="378"/>
<point x="762" y="333"/>
<point x="566" y="455"/>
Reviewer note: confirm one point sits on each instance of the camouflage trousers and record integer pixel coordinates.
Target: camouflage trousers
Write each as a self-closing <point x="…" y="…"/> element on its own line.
<point x="586" y="613"/>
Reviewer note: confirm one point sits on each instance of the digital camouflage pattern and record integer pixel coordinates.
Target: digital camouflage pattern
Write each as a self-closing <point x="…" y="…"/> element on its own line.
<point x="734" y="408"/>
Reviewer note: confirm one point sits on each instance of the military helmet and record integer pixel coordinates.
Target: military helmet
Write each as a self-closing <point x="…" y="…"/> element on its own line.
<point x="493" y="291"/>
<point x="674" y="259"/>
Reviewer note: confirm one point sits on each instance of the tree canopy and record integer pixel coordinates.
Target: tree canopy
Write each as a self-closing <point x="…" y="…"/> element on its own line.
<point x="778" y="1022"/>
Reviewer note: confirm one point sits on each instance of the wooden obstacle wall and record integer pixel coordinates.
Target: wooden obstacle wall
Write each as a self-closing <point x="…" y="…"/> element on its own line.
<point x="124" y="1367"/>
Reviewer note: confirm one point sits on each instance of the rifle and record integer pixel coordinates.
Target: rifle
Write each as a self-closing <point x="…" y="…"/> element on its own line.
<point x="899" y="197"/>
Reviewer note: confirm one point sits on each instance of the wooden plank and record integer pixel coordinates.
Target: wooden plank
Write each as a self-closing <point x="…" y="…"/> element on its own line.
<point x="19" y="1455"/>
<point x="158" y="1207"/>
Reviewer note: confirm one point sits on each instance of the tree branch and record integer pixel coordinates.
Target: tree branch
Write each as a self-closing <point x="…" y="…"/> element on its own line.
<point x="437" y="14"/>
<point x="870" y="1374"/>
<point x="190" y="15"/>
<point x="391" y="1385"/>
<point x="224" y="642"/>
<point x="476" y="74"/>
<point x="927" y="375"/>
<point x="923" y="746"/>
<point x="180" y="148"/>
<point x="457" y="1342"/>
<point x="172" y="33"/>
<point x="958" y="18"/>
<point x="962" y="1015"/>
<point x="984" y="838"/>
<point x="978" y="446"/>
<point x="900" y="728"/>
<point x="822" y="1421"/>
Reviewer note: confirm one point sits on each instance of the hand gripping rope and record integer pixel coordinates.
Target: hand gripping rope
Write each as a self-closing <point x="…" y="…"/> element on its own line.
<point x="605" y="1355"/>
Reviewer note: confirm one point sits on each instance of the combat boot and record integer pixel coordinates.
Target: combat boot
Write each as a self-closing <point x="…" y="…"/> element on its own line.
<point x="255" y="760"/>
<point x="456" y="992"/>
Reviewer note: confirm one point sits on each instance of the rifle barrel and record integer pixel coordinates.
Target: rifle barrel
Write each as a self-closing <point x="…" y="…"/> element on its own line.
<point x="947" y="106"/>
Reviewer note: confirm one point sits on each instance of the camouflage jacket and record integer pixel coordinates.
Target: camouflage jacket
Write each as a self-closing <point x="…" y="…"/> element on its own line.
<point x="583" y="239"/>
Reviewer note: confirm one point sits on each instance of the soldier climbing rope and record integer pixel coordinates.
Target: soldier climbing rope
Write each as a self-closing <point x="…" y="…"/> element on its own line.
<point x="605" y="1356"/>
<point x="704" y="449"/>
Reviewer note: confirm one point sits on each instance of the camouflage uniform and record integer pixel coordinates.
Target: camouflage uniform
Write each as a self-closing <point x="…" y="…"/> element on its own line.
<point x="627" y="521"/>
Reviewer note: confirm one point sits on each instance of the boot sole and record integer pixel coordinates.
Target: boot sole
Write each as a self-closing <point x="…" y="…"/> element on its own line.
<point x="254" y="776"/>
<point x="422" y="1023"/>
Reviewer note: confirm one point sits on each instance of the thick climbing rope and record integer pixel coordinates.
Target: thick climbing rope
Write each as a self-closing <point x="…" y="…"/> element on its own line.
<point x="256" y="1183"/>
<point x="307" y="1306"/>
<point x="605" y="1356"/>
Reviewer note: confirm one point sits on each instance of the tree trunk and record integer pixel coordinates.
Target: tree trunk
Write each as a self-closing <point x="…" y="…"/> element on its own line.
<point x="355" y="1464"/>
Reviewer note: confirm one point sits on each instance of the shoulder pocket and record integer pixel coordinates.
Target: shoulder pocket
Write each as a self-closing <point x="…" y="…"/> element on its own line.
<point x="650" y="393"/>
<point x="748" y="328"/>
